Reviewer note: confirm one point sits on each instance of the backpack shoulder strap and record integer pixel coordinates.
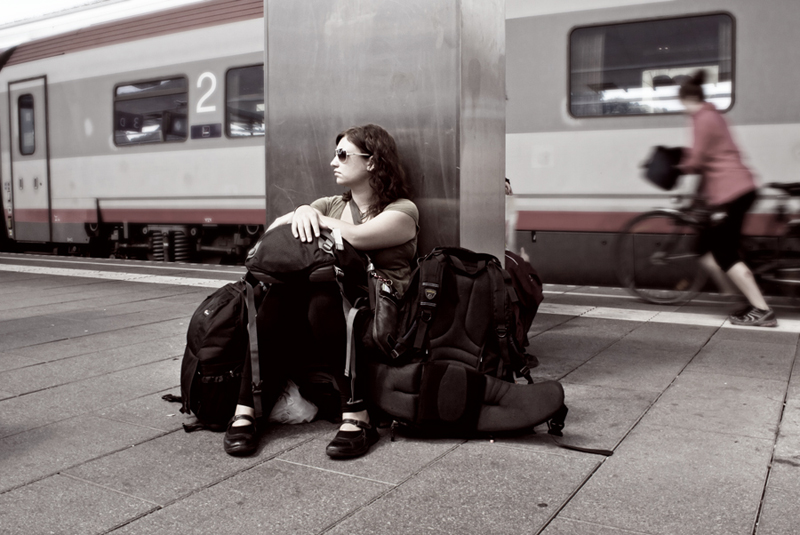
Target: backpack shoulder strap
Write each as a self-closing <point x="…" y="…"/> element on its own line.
<point x="430" y="282"/>
<point x="355" y="213"/>
<point x="252" y="333"/>
<point x="501" y="286"/>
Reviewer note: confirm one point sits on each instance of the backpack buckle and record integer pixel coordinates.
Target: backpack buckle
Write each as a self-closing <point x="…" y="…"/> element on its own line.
<point x="502" y="332"/>
<point x="257" y="387"/>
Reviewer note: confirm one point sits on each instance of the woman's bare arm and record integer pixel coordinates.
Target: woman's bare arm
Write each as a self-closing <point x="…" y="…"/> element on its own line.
<point x="387" y="229"/>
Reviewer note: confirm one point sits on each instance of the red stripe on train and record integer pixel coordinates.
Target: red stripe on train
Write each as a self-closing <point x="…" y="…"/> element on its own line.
<point x="754" y="224"/>
<point x="191" y="216"/>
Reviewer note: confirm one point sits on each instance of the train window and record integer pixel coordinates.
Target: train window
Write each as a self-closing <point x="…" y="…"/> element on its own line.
<point x="27" y="142"/>
<point x="244" y="111"/>
<point x="151" y="112"/>
<point x="636" y="68"/>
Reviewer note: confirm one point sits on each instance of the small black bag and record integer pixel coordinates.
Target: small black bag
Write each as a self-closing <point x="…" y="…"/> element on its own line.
<point x="661" y="167"/>
<point x="217" y="345"/>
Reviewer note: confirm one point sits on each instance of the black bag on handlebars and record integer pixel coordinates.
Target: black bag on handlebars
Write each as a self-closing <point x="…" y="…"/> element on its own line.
<point x="662" y="167"/>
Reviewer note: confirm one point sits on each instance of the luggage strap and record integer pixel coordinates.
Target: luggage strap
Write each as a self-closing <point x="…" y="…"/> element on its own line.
<point x="430" y="283"/>
<point x="502" y="287"/>
<point x="350" y="312"/>
<point x="252" y="332"/>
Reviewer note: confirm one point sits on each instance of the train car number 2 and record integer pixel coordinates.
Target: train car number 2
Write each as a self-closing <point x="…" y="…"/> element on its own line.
<point x="201" y="108"/>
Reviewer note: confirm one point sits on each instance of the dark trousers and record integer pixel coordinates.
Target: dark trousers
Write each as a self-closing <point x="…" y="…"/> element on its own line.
<point x="723" y="238"/>
<point x="301" y="329"/>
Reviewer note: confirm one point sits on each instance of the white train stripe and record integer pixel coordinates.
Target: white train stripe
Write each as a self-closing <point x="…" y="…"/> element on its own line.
<point x="174" y="266"/>
<point x="119" y="276"/>
<point x="676" y="318"/>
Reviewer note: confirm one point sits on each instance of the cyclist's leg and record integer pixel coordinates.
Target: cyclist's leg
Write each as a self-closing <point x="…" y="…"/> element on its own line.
<point x="743" y="278"/>
<point x="720" y="278"/>
<point x="725" y="249"/>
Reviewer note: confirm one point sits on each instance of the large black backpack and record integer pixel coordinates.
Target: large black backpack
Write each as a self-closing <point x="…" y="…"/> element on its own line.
<point x="456" y="329"/>
<point x="460" y="307"/>
<point x="220" y="337"/>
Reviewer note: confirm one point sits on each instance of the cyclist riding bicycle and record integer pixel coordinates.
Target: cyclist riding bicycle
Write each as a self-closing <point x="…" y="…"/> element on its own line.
<point x="728" y="186"/>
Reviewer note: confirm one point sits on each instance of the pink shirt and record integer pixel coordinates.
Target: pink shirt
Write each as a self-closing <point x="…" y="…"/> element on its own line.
<point x="715" y="156"/>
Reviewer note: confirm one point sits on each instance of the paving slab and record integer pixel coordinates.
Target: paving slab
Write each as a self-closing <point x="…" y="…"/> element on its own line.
<point x="78" y="368"/>
<point x="178" y="464"/>
<point x="146" y="317"/>
<point x="148" y="411"/>
<point x="41" y="452"/>
<point x="388" y="462"/>
<point x="544" y="322"/>
<point x="769" y="336"/>
<point x="37" y="323"/>
<point x="599" y="417"/>
<point x="121" y="309"/>
<point x="106" y="300"/>
<point x="81" y="343"/>
<point x="51" y="405"/>
<point x="785" y="472"/>
<point x="517" y="492"/>
<point x="793" y="391"/>
<point x="649" y="358"/>
<point x="596" y="299"/>
<point x="730" y="404"/>
<point x="758" y="359"/>
<point x="72" y="507"/>
<point x="566" y="526"/>
<point x="274" y="498"/>
<point x="564" y="347"/>
<point x="11" y="361"/>
<point x="668" y="480"/>
<point x="779" y="513"/>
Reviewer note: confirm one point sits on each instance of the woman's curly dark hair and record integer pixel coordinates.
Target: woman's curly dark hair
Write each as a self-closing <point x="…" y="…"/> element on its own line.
<point x="387" y="177"/>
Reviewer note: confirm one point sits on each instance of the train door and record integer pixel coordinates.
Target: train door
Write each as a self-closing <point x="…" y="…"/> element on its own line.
<point x="30" y="177"/>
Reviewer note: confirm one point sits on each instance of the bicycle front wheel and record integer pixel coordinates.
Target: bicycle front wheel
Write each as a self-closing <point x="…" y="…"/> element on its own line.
<point x="657" y="258"/>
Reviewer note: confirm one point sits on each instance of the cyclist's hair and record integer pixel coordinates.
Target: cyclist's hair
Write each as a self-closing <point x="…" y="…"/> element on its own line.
<point x="692" y="88"/>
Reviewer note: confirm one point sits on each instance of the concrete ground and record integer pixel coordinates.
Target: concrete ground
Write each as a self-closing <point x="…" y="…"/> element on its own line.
<point x="703" y="418"/>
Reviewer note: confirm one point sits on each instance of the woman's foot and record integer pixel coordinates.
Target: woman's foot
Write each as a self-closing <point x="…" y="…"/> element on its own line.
<point x="354" y="439"/>
<point x="241" y="437"/>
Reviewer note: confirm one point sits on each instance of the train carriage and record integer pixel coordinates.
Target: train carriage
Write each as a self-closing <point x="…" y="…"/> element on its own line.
<point x="139" y="137"/>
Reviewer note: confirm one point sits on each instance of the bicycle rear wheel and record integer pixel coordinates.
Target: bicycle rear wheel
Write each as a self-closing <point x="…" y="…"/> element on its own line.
<point x="657" y="258"/>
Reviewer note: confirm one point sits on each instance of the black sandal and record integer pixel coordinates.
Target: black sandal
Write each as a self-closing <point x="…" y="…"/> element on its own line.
<point x="241" y="440"/>
<point x="349" y="444"/>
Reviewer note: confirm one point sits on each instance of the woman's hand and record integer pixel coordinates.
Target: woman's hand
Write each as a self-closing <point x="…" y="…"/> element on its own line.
<point x="306" y="223"/>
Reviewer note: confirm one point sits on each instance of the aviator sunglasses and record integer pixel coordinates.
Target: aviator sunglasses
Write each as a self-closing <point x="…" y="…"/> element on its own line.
<point x="343" y="154"/>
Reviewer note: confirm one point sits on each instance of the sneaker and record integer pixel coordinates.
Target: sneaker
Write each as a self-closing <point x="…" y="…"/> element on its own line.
<point x="755" y="317"/>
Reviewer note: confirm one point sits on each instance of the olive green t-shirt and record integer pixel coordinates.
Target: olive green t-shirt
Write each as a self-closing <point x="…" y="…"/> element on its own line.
<point x="393" y="263"/>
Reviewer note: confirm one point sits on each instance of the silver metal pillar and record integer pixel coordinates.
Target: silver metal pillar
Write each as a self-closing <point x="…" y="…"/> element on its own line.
<point x="432" y="72"/>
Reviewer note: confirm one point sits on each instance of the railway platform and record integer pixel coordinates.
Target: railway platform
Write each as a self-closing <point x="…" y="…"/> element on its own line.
<point x="703" y="418"/>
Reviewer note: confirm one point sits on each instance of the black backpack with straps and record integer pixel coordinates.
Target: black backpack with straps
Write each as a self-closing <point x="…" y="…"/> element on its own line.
<point x="455" y="347"/>
<point x="220" y="337"/>
<point x="460" y="308"/>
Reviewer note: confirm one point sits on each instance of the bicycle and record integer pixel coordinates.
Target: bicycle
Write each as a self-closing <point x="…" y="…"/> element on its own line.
<point x="657" y="256"/>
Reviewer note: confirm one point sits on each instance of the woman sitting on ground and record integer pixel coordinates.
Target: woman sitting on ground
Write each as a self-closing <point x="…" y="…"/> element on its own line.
<point x="366" y="163"/>
<point x="728" y="186"/>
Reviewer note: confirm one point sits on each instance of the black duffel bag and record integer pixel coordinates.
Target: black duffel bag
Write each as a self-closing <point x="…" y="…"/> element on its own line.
<point x="279" y="257"/>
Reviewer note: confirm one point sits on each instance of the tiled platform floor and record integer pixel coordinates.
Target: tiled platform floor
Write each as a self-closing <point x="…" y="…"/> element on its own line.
<point x="704" y="420"/>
